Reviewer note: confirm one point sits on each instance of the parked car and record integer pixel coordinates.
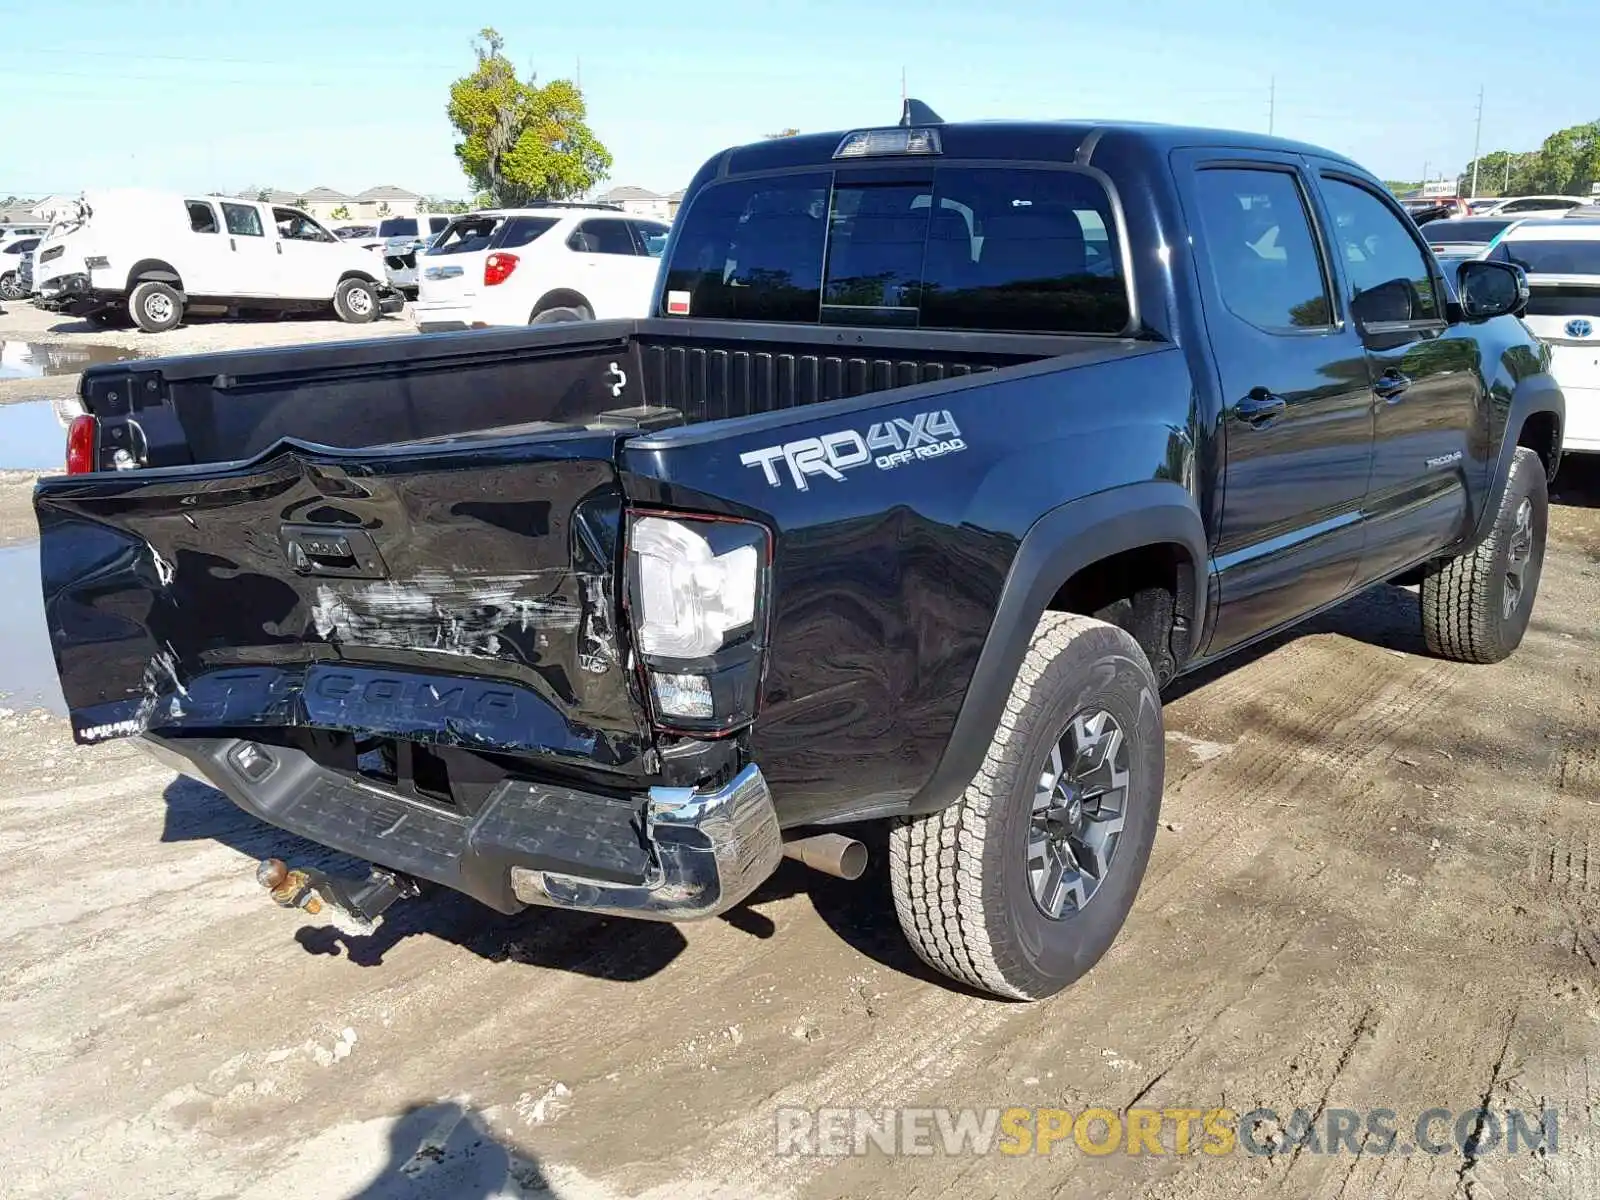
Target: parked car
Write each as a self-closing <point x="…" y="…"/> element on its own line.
<point x="347" y="233"/>
<point x="1467" y="237"/>
<point x="157" y="256"/>
<point x="1435" y="208"/>
<point x="942" y="450"/>
<point x="25" y="272"/>
<point x="1535" y="206"/>
<point x="1562" y="260"/>
<point x="11" y="252"/>
<point x="11" y="233"/>
<point x="537" y="265"/>
<point x="1584" y="212"/>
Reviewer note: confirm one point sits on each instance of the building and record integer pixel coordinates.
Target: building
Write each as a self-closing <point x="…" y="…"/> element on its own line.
<point x="674" y="203"/>
<point x="639" y="202"/>
<point x="323" y="202"/>
<point x="384" y="201"/>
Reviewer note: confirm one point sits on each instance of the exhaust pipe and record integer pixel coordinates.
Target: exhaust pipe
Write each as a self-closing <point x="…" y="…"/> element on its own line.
<point x="830" y="853"/>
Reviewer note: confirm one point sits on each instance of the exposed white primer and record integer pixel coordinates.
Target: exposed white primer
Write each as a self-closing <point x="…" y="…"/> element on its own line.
<point x="435" y="611"/>
<point x="164" y="570"/>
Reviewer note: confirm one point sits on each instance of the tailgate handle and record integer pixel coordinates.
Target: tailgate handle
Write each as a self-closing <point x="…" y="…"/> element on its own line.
<point x="332" y="550"/>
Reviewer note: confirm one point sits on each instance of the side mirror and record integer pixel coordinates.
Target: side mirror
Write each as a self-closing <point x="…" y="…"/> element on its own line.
<point x="1491" y="289"/>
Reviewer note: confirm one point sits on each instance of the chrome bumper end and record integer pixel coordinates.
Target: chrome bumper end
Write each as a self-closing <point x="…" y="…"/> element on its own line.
<point x="710" y="850"/>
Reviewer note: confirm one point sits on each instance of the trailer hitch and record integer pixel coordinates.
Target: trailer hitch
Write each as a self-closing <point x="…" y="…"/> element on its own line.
<point x="353" y="907"/>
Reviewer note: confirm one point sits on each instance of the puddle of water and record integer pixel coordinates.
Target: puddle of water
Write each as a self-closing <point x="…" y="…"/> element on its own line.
<point x="32" y="360"/>
<point x="27" y="668"/>
<point x="31" y="437"/>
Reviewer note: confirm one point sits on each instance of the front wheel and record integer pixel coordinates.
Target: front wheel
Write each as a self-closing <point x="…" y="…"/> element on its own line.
<point x="10" y="286"/>
<point x="155" y="307"/>
<point x="1022" y="885"/>
<point x="355" y="302"/>
<point x="1475" y="608"/>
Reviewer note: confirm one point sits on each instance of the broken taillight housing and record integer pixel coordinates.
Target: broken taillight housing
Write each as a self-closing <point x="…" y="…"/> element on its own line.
<point x="82" y="438"/>
<point x="497" y="268"/>
<point x="697" y="603"/>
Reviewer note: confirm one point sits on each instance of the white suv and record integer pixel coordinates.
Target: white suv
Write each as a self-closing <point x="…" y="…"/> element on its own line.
<point x="155" y="256"/>
<point x="1562" y="259"/>
<point x="524" y="266"/>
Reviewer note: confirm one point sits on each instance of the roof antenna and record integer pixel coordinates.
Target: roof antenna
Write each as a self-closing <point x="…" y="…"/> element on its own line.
<point x="915" y="112"/>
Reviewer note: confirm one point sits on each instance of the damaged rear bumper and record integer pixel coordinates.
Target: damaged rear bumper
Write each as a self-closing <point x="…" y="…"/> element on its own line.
<point x="671" y="854"/>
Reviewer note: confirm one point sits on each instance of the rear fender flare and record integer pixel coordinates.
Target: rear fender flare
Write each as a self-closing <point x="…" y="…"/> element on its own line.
<point x="1057" y="546"/>
<point x="1534" y="394"/>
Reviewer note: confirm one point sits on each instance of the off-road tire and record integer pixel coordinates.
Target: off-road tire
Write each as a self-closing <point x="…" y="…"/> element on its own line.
<point x="560" y="315"/>
<point x="355" y="302"/>
<point x="1465" y="599"/>
<point x="960" y="876"/>
<point x="155" y="307"/>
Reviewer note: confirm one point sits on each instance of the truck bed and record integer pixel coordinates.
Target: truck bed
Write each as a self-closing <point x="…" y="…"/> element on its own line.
<point x="612" y="374"/>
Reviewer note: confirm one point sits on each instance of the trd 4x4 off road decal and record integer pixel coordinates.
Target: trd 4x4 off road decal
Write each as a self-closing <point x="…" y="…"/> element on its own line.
<point x="886" y="445"/>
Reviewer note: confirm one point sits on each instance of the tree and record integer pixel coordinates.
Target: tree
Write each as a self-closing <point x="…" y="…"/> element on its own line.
<point x="264" y="195"/>
<point x="782" y="133"/>
<point x="424" y="205"/>
<point x="339" y="214"/>
<point x="383" y="208"/>
<point x="521" y="142"/>
<point x="1567" y="162"/>
<point x="299" y="201"/>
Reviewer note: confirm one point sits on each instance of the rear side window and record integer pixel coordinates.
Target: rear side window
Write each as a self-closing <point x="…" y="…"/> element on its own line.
<point x="1553" y="257"/>
<point x="242" y="220"/>
<point x="652" y="236"/>
<point x="202" y="217"/>
<point x="522" y="231"/>
<point x="398" y="227"/>
<point x="983" y="248"/>
<point x="602" y="237"/>
<point x="1264" y="259"/>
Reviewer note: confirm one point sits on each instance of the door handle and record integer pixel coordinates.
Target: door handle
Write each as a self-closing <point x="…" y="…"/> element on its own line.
<point x="1391" y="385"/>
<point x="1260" y="408"/>
<point x="233" y="245"/>
<point x="280" y="247"/>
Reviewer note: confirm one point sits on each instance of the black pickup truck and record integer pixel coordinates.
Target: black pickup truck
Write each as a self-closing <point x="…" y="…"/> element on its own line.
<point x="945" y="449"/>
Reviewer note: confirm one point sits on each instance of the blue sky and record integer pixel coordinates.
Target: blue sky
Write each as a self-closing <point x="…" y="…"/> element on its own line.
<point x="204" y="94"/>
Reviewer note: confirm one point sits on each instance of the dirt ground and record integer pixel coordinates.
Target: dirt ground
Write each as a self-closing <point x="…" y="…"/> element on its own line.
<point x="1372" y="890"/>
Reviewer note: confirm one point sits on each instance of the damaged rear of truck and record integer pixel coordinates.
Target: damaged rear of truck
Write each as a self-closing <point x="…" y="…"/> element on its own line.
<point x="611" y="616"/>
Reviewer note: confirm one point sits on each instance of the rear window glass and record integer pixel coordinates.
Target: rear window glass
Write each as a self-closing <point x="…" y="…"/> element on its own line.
<point x="1483" y="230"/>
<point x="398" y="227"/>
<point x="520" y="231"/>
<point x="1556" y="300"/>
<point x="466" y="234"/>
<point x="1562" y="257"/>
<point x="980" y="248"/>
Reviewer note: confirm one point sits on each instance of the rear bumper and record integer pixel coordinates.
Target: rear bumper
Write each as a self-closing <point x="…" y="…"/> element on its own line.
<point x="672" y="854"/>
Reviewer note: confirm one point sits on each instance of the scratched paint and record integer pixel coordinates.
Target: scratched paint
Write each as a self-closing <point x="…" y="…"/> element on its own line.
<point x="464" y="615"/>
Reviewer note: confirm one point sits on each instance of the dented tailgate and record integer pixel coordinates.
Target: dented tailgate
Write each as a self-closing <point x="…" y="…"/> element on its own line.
<point x="460" y="593"/>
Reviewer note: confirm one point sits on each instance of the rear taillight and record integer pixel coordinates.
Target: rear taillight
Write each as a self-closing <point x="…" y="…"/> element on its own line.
<point x="82" y="435"/>
<point x="697" y="600"/>
<point x="497" y="268"/>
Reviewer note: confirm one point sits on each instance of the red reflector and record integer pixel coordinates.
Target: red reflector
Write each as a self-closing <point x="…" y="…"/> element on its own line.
<point x="497" y="267"/>
<point x="82" y="435"/>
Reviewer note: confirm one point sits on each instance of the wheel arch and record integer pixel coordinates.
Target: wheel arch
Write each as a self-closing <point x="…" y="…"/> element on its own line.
<point x="1536" y="419"/>
<point x="560" y="298"/>
<point x="1064" y="562"/>
<point x="355" y="273"/>
<point x="154" y="270"/>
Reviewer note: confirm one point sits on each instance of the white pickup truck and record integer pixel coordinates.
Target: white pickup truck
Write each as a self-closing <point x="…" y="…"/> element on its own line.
<point x="153" y="257"/>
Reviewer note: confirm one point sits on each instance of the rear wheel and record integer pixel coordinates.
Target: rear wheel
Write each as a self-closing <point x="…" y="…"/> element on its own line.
<point x="1022" y="885"/>
<point x="1475" y="608"/>
<point x="155" y="307"/>
<point x="10" y="286"/>
<point x="355" y="301"/>
<point x="560" y="314"/>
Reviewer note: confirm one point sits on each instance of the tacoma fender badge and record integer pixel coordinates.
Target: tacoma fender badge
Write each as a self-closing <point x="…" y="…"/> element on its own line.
<point x="1444" y="460"/>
